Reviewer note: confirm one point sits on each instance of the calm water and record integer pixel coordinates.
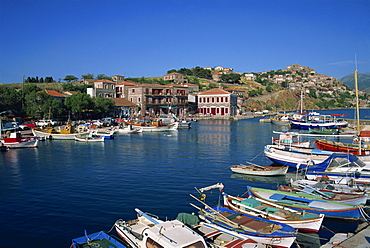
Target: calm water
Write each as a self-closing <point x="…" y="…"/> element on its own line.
<point x="53" y="193"/>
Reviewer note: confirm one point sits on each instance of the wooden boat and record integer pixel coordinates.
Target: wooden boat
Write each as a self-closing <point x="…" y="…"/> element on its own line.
<point x="325" y="185"/>
<point x="157" y="126"/>
<point x="99" y="239"/>
<point x="334" y="146"/>
<point x="148" y="229"/>
<point x="129" y="129"/>
<point x="299" y="157"/>
<point x="340" y="165"/>
<point x="89" y="138"/>
<point x="308" y="203"/>
<point x="287" y="138"/>
<point x="15" y="140"/>
<point x="305" y="222"/>
<point x="66" y="133"/>
<point x="246" y="226"/>
<point x="348" y="198"/>
<point x="318" y="121"/>
<point x="253" y="169"/>
<point x="107" y="134"/>
<point x="224" y="238"/>
<point x="280" y="120"/>
<point x="325" y="131"/>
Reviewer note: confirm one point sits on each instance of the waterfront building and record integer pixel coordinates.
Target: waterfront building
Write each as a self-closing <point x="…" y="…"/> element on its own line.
<point x="122" y="88"/>
<point x="103" y="88"/>
<point x="217" y="102"/>
<point x="175" y="77"/>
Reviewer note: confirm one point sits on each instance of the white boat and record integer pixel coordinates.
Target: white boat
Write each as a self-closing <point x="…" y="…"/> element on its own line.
<point x="15" y="140"/>
<point x="129" y="129"/>
<point x="66" y="133"/>
<point x="258" y="170"/>
<point x="157" y="127"/>
<point x="290" y="139"/>
<point x="306" y="222"/>
<point x="89" y="138"/>
<point x="149" y="231"/>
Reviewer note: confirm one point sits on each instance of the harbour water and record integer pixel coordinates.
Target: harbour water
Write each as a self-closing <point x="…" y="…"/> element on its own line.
<point x="53" y="193"/>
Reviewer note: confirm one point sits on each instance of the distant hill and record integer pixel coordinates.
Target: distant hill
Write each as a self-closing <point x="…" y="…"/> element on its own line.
<point x="363" y="81"/>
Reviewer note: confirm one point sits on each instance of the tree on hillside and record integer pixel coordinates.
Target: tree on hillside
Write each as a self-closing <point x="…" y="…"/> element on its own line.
<point x="88" y="76"/>
<point x="10" y="99"/>
<point x="70" y="78"/>
<point x="231" y="78"/>
<point x="103" y="76"/>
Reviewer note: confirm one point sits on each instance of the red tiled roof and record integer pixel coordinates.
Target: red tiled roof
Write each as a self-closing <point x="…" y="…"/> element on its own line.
<point x="214" y="92"/>
<point x="105" y="81"/>
<point x="123" y="102"/>
<point x="54" y="93"/>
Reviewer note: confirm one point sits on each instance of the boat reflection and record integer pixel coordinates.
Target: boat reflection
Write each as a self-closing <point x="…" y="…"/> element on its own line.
<point x="252" y="178"/>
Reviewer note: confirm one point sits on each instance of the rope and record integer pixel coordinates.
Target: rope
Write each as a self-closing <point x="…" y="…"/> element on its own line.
<point x="257" y="155"/>
<point x="324" y="227"/>
<point x="112" y="228"/>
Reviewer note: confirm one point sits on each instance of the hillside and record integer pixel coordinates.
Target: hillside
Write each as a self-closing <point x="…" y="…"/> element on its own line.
<point x="363" y="81"/>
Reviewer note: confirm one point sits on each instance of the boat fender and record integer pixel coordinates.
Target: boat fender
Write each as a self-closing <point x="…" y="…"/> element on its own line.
<point x="202" y="197"/>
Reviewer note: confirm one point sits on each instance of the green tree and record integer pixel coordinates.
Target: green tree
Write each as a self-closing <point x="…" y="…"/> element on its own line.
<point x="10" y="99"/>
<point x="40" y="105"/>
<point x="103" y="76"/>
<point x="231" y="78"/>
<point x="103" y="105"/>
<point x="79" y="103"/>
<point x="88" y="76"/>
<point x="70" y="78"/>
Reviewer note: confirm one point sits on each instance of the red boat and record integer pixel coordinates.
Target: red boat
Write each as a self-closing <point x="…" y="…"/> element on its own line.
<point x="334" y="146"/>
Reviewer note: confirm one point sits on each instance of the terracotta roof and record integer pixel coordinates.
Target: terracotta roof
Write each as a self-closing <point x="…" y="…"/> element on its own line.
<point x="54" y="93"/>
<point x="104" y="81"/>
<point x="190" y="84"/>
<point x="128" y="82"/>
<point x="215" y="92"/>
<point x="123" y="102"/>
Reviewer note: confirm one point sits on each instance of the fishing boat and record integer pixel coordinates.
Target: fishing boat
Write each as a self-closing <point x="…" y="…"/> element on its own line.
<point x="348" y="198"/>
<point x="303" y="221"/>
<point x="354" y="148"/>
<point x="98" y="239"/>
<point x="280" y="119"/>
<point x="322" y="130"/>
<point x="290" y="139"/>
<point x="107" y="134"/>
<point x="89" y="138"/>
<point x="223" y="238"/>
<point x="16" y="140"/>
<point x="318" y="121"/>
<point x="258" y="170"/>
<point x="340" y="165"/>
<point x="246" y="226"/>
<point x="308" y="203"/>
<point x="325" y="185"/>
<point x="66" y="133"/>
<point x="157" y="126"/>
<point x="149" y="231"/>
<point x="129" y="129"/>
<point x="298" y="157"/>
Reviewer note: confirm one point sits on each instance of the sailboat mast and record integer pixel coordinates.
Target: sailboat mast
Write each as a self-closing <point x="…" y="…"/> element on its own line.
<point x="357" y="111"/>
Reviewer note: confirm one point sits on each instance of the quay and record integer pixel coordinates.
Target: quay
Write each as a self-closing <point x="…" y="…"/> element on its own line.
<point x="361" y="238"/>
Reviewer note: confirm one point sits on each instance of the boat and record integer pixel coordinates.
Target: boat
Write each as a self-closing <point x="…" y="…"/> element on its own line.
<point x="221" y="238"/>
<point x="303" y="221"/>
<point x="148" y="230"/>
<point x="348" y="198"/>
<point x="315" y="120"/>
<point x="339" y="165"/>
<point x="89" y="138"/>
<point x="323" y="184"/>
<point x="258" y="170"/>
<point x="344" y="133"/>
<point x="66" y="133"/>
<point x="98" y="239"/>
<point x="246" y="226"/>
<point x="299" y="157"/>
<point x="157" y="126"/>
<point x="107" y="134"/>
<point x="308" y="203"/>
<point x="185" y="124"/>
<point x="129" y="129"/>
<point x="354" y="148"/>
<point x="16" y="140"/>
<point x="323" y="130"/>
<point x="287" y="138"/>
<point x="280" y="119"/>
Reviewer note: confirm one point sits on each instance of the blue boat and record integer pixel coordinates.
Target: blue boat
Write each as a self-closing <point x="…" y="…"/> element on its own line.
<point x="98" y="239"/>
<point x="317" y="121"/>
<point x="249" y="227"/>
<point x="309" y="203"/>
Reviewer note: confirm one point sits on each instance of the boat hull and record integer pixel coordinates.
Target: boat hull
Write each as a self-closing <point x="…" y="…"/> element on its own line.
<point x="307" y="125"/>
<point x="28" y="143"/>
<point x="57" y="136"/>
<point x="265" y="171"/>
<point x="340" y="147"/>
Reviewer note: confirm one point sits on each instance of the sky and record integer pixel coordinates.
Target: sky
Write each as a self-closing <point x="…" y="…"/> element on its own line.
<point x="146" y="38"/>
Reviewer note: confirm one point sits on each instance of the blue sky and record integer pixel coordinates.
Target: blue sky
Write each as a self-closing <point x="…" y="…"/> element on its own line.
<point x="146" y="38"/>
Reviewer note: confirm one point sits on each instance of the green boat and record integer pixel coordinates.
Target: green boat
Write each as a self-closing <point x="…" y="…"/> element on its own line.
<point x="324" y="131"/>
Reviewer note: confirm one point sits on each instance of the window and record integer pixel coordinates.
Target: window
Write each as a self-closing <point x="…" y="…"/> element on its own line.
<point x="226" y="99"/>
<point x="139" y="99"/>
<point x="213" y="99"/>
<point x="133" y="91"/>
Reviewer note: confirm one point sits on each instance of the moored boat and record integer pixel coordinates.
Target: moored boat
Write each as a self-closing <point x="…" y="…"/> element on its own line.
<point x="15" y="140"/>
<point x="303" y="221"/>
<point x="324" y="131"/>
<point x="149" y="231"/>
<point x="305" y="202"/>
<point x="318" y="121"/>
<point x="98" y="239"/>
<point x="89" y="138"/>
<point x="129" y="129"/>
<point x="290" y="139"/>
<point x="253" y="169"/>
<point x="334" y="146"/>
<point x="66" y="133"/>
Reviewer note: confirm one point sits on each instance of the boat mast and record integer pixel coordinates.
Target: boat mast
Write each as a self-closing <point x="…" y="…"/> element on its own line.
<point x="355" y="74"/>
